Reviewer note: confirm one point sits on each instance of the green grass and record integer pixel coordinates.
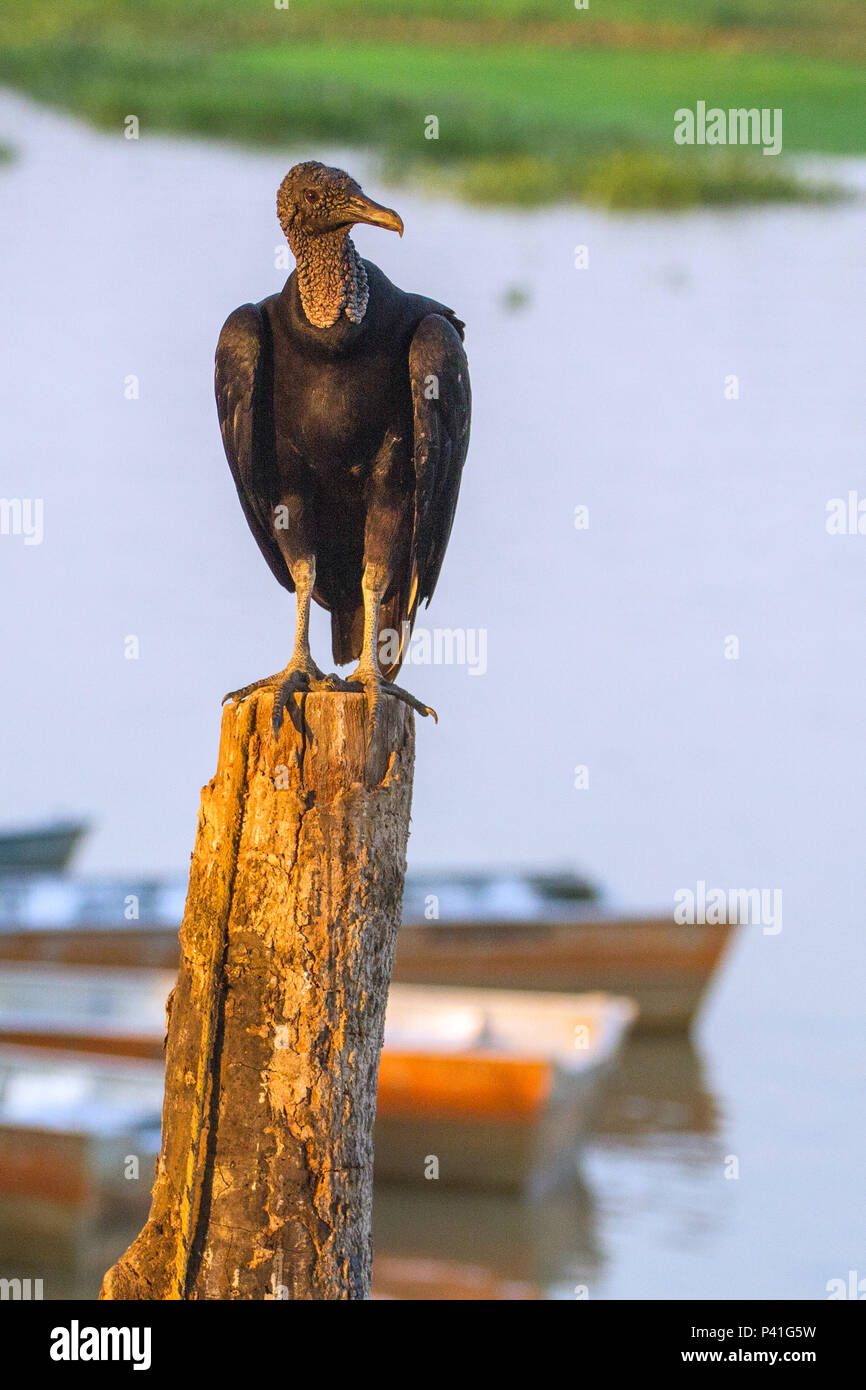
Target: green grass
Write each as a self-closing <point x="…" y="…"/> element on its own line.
<point x="526" y="116"/>
<point x="632" y="179"/>
<point x="809" y="25"/>
<point x="512" y="97"/>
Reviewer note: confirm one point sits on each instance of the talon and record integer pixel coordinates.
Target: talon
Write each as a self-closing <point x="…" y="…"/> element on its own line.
<point x="371" y="694"/>
<point x="297" y="683"/>
<point x="265" y="683"/>
<point x="417" y="705"/>
<point x="374" y="686"/>
<point x="303" y="680"/>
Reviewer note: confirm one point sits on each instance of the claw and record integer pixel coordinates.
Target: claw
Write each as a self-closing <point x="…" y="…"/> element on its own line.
<point x="417" y="705"/>
<point x="297" y="683"/>
<point x="266" y="683"/>
<point x="374" y="687"/>
<point x="372" y="697"/>
<point x="309" y="673"/>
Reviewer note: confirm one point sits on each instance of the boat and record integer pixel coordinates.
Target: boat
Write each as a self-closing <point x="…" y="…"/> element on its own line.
<point x="498" y="1086"/>
<point x="665" y="967"/>
<point x="59" y="901"/>
<point x="69" y="1124"/>
<point x="496" y="895"/>
<point x="42" y="849"/>
<point x="114" y="1013"/>
<point x="482" y="930"/>
<point x="128" y="946"/>
<point x="491" y="1089"/>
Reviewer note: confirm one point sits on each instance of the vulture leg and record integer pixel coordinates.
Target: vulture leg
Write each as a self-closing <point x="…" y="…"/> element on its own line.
<point x="302" y="673"/>
<point x="385" y="554"/>
<point x="367" y="675"/>
<point x="303" y="572"/>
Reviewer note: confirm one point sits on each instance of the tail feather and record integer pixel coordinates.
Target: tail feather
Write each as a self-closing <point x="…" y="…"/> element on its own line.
<point x="347" y="632"/>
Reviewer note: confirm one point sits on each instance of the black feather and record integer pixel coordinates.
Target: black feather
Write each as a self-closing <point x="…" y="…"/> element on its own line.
<point x="243" y="379"/>
<point x="340" y="428"/>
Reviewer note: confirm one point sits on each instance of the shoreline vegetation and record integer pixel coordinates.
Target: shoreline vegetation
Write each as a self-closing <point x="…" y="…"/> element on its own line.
<point x="537" y="102"/>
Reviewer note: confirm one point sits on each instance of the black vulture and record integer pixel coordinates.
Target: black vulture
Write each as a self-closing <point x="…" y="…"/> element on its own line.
<point x="344" y="405"/>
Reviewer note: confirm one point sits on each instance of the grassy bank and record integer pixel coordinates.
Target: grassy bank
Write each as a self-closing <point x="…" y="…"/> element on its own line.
<point x="535" y="102"/>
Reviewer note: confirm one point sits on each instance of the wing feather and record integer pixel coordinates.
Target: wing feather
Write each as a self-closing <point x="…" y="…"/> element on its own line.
<point x="442" y="402"/>
<point x="241" y="381"/>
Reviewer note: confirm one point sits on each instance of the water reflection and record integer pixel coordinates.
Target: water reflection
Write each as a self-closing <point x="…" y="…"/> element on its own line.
<point x="656" y="1149"/>
<point x="660" y="1087"/>
<point x="68" y="1247"/>
<point x="657" y="1143"/>
<point x="511" y="1248"/>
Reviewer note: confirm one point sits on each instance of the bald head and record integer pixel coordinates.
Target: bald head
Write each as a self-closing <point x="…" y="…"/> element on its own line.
<point x="314" y="199"/>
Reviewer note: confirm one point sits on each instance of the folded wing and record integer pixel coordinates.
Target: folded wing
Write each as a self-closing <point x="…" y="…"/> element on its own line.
<point x="442" y="405"/>
<point x="242" y="383"/>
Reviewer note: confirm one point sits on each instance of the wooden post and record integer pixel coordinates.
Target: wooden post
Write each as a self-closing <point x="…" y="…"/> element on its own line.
<point x="264" y="1181"/>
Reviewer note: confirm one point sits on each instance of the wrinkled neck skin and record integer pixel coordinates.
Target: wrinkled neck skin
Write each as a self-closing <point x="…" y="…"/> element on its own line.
<point x="331" y="278"/>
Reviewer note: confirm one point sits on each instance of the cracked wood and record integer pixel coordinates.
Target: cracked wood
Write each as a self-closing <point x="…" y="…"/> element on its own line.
<point x="264" y="1181"/>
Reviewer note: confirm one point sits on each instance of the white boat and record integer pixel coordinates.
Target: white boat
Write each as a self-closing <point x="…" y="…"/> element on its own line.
<point x="75" y="1130"/>
<point x="492" y="1089"/>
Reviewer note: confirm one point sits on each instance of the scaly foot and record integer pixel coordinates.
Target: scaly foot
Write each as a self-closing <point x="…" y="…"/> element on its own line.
<point x="301" y="668"/>
<point x="300" y="677"/>
<point x="368" y="679"/>
<point x="304" y="677"/>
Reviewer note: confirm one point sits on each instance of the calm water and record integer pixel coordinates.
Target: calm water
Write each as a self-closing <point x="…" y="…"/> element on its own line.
<point x="605" y="647"/>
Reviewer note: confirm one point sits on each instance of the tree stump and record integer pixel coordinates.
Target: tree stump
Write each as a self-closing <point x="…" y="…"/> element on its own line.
<point x="264" y="1181"/>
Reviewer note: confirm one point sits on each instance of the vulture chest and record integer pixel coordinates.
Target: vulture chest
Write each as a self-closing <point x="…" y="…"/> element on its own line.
<point x="332" y="414"/>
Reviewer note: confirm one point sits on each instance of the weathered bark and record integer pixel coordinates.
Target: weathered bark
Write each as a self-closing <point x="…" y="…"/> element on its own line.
<point x="264" y="1182"/>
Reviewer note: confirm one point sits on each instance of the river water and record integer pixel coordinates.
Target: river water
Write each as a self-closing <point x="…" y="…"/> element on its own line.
<point x="733" y="763"/>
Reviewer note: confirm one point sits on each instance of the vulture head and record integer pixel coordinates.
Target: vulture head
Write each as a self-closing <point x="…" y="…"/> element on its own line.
<point x="314" y="200"/>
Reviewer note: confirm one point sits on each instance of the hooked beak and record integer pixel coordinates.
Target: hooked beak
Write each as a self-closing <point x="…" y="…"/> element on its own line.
<point x="363" y="209"/>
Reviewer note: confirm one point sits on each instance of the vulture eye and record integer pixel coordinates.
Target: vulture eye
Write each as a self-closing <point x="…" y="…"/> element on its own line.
<point x="311" y="195"/>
